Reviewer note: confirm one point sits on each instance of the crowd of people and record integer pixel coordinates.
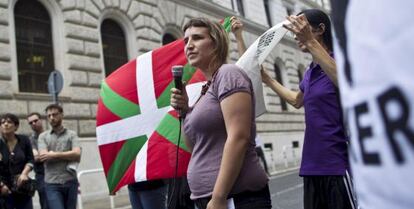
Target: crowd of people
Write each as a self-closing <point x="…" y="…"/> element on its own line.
<point x="52" y="154"/>
<point x="220" y="130"/>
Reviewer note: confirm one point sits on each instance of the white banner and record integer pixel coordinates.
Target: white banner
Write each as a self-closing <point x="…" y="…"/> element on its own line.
<point x="255" y="55"/>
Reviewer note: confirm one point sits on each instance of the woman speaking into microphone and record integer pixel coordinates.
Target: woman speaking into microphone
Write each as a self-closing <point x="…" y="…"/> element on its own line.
<point x="219" y="128"/>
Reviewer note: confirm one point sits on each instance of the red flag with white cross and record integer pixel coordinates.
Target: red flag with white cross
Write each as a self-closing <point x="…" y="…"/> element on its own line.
<point x="137" y="130"/>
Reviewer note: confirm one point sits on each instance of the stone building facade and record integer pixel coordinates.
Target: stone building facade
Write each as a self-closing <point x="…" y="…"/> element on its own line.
<point x="77" y="52"/>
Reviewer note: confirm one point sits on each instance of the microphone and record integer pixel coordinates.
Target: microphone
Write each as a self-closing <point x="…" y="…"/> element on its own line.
<point x="177" y="72"/>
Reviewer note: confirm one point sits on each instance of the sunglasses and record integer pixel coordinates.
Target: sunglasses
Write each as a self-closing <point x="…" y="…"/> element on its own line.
<point x="33" y="121"/>
<point x="6" y="121"/>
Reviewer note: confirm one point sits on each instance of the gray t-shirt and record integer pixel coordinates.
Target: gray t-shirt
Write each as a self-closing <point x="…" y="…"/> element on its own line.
<point x="57" y="171"/>
<point x="205" y="129"/>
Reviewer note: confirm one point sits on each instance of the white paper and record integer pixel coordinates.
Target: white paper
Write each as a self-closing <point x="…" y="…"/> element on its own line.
<point x="255" y="55"/>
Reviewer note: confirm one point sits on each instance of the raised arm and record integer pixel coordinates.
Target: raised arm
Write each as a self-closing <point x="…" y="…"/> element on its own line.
<point x="237" y="29"/>
<point x="303" y="32"/>
<point x="237" y="112"/>
<point x="295" y="98"/>
<point x="292" y="97"/>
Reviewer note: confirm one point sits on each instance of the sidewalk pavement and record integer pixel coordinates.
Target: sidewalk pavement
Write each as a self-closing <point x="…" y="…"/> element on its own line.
<point x="121" y="201"/>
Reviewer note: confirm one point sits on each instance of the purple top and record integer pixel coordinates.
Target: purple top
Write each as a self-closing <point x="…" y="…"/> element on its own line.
<point x="325" y="145"/>
<point x="205" y="129"/>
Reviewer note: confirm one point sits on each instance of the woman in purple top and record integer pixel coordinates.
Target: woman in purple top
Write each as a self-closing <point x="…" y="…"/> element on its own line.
<point x="220" y="129"/>
<point x="325" y="159"/>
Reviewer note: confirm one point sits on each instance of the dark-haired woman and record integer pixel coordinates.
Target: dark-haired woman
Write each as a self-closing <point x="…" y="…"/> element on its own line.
<point x="325" y="165"/>
<point x="16" y="161"/>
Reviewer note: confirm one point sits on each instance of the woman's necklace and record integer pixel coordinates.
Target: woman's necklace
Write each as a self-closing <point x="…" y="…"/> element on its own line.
<point x="206" y="86"/>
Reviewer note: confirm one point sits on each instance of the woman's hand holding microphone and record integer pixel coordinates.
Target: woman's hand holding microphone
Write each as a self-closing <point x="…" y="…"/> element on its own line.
<point x="179" y="100"/>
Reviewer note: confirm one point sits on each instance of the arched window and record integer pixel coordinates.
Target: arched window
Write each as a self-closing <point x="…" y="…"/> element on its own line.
<point x="33" y="45"/>
<point x="114" y="46"/>
<point x="168" y="38"/>
<point x="301" y="72"/>
<point x="279" y="78"/>
<point x="267" y="10"/>
<point x="238" y="5"/>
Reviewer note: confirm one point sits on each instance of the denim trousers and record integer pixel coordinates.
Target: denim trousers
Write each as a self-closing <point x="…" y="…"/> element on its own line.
<point x="62" y="196"/>
<point x="244" y="200"/>
<point x="149" y="198"/>
<point x="41" y="191"/>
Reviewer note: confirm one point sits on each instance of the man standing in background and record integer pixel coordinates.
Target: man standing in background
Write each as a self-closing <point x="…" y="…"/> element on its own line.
<point x="36" y="124"/>
<point x="60" y="150"/>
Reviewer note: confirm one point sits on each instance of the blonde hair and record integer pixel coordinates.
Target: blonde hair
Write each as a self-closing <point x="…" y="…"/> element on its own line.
<point x="219" y="37"/>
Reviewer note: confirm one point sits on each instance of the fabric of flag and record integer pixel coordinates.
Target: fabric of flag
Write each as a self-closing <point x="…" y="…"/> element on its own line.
<point x="137" y="130"/>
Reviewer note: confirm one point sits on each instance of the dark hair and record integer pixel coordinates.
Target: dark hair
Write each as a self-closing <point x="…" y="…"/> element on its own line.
<point x="34" y="113"/>
<point x="10" y="116"/>
<point x="217" y="34"/>
<point x="54" y="106"/>
<point x="316" y="17"/>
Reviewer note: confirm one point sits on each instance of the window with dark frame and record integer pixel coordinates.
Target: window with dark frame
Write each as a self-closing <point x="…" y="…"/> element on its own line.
<point x="168" y="38"/>
<point x="240" y="7"/>
<point x="34" y="46"/>
<point x="267" y="10"/>
<point x="279" y="78"/>
<point x="114" y="46"/>
<point x="289" y="11"/>
<point x="300" y="75"/>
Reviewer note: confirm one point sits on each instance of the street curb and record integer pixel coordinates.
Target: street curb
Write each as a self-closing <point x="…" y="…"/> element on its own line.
<point x="284" y="172"/>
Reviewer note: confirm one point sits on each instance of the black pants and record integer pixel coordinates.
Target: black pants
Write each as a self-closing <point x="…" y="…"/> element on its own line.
<point x="245" y="200"/>
<point x="328" y="192"/>
<point x="179" y="194"/>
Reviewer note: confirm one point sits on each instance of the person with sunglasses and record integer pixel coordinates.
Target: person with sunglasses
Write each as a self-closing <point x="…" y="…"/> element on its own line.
<point x="35" y="122"/>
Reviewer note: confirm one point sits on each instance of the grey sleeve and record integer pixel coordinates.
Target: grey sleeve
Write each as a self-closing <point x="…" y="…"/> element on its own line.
<point x="41" y="142"/>
<point x="230" y="80"/>
<point x="75" y="140"/>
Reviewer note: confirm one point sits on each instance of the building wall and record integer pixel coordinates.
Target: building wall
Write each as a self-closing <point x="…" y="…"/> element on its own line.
<point x="78" y="55"/>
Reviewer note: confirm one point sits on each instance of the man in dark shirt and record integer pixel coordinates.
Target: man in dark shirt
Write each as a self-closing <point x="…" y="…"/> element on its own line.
<point x="36" y="123"/>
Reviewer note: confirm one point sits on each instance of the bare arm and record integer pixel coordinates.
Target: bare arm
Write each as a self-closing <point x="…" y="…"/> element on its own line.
<point x="237" y="112"/>
<point x="24" y="176"/>
<point x="292" y="97"/>
<point x="237" y="29"/>
<point x="322" y="57"/>
<point x="72" y="155"/>
<point x="303" y="32"/>
<point x="36" y="155"/>
<point x="295" y="98"/>
<point x="27" y="169"/>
